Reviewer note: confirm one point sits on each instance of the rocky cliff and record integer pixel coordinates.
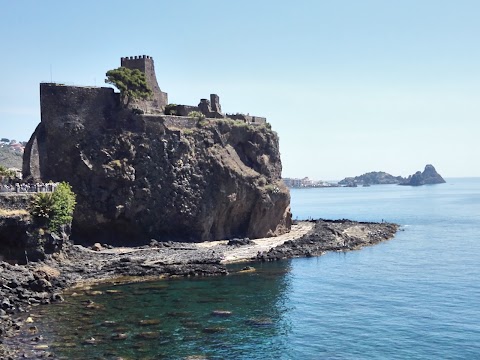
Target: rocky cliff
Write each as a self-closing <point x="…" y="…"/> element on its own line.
<point x="427" y="177"/>
<point x="139" y="177"/>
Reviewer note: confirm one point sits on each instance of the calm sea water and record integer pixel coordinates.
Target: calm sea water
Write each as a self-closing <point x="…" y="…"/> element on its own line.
<point x="414" y="297"/>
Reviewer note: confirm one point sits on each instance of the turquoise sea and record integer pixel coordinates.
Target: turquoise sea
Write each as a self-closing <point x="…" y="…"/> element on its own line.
<point x="416" y="296"/>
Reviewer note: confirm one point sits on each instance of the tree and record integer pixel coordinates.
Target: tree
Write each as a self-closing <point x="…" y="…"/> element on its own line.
<point x="53" y="210"/>
<point x="131" y="83"/>
<point x="5" y="173"/>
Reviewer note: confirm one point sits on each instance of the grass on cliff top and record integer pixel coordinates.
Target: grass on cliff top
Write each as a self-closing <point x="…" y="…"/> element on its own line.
<point x="8" y="213"/>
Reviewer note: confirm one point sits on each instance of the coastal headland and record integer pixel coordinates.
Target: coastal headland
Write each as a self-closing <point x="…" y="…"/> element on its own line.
<point x="154" y="187"/>
<point x="79" y="268"/>
<point x="144" y="169"/>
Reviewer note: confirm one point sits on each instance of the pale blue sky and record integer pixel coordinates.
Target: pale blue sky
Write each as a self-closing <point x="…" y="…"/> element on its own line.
<point x="350" y="86"/>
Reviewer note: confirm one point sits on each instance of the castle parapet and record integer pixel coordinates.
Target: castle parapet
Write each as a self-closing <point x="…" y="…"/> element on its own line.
<point x="249" y="119"/>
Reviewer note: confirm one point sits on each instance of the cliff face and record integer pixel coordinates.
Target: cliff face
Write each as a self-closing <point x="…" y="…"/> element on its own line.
<point x="139" y="177"/>
<point x="21" y="241"/>
<point x="429" y="176"/>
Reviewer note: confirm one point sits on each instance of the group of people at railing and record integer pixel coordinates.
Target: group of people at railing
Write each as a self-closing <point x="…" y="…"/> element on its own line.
<point x="28" y="188"/>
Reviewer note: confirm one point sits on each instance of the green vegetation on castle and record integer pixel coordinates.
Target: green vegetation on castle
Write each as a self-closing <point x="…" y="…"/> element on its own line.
<point x="197" y="115"/>
<point x="132" y="84"/>
<point x="52" y="210"/>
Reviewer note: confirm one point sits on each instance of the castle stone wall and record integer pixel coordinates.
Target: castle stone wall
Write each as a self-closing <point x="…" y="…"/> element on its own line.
<point x="184" y="110"/>
<point x="145" y="64"/>
<point x="181" y="122"/>
<point x="170" y="121"/>
<point x="252" y="120"/>
<point x="66" y="110"/>
<point x="69" y="107"/>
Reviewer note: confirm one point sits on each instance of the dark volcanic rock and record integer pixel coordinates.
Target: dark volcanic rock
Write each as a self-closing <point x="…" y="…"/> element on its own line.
<point x="240" y="242"/>
<point x="332" y="235"/>
<point x="139" y="177"/>
<point x="22" y="241"/>
<point x="429" y="176"/>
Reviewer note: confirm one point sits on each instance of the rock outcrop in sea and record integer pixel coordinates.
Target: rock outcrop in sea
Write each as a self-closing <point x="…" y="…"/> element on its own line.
<point x="429" y="176"/>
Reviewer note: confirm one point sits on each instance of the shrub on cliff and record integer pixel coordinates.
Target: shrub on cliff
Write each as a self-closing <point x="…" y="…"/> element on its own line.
<point x="131" y="83"/>
<point x="197" y="115"/>
<point x="52" y="210"/>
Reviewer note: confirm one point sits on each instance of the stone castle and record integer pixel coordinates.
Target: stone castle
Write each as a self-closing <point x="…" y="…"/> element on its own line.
<point x="149" y="171"/>
<point x="159" y="101"/>
<point x="144" y="63"/>
<point x="88" y="104"/>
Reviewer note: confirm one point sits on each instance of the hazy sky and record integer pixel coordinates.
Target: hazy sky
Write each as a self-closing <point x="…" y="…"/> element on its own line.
<point x="350" y="86"/>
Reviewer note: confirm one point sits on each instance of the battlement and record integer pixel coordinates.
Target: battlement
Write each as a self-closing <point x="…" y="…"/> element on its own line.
<point x="140" y="62"/>
<point x="135" y="57"/>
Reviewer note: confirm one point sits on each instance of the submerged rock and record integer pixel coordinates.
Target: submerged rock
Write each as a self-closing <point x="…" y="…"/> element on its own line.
<point x="120" y="336"/>
<point x="147" y="322"/>
<point x="148" y="335"/>
<point x="213" y="330"/>
<point x="221" y="313"/>
<point x="260" y="321"/>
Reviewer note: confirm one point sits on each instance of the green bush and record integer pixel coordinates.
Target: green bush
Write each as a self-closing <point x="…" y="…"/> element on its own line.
<point x="5" y="173"/>
<point x="52" y="210"/>
<point x="41" y="208"/>
<point x="196" y="115"/>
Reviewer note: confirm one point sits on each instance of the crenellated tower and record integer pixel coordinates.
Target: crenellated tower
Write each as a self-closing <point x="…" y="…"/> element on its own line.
<point x="144" y="63"/>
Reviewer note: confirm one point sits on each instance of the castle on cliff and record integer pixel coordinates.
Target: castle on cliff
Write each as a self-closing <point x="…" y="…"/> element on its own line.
<point x="158" y="103"/>
<point x="70" y="109"/>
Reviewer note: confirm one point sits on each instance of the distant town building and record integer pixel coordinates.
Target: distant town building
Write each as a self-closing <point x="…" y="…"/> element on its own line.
<point x="306" y="183"/>
<point x="12" y="145"/>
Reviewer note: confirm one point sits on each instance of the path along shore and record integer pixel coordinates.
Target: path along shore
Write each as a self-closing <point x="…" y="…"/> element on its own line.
<point x="23" y="286"/>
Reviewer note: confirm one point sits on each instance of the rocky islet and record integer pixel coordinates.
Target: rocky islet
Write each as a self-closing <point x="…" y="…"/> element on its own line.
<point x="428" y="177"/>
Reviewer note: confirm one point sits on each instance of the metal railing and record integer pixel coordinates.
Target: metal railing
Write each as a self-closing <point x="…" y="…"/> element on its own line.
<point x="28" y="188"/>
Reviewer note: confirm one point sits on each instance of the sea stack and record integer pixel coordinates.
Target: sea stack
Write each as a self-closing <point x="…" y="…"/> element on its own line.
<point x="429" y="176"/>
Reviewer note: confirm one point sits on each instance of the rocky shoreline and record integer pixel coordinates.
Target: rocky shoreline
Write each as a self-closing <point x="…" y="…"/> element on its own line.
<point x="24" y="286"/>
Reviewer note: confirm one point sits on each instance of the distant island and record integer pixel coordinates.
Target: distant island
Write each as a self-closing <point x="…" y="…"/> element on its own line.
<point x="427" y="177"/>
<point x="372" y="178"/>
